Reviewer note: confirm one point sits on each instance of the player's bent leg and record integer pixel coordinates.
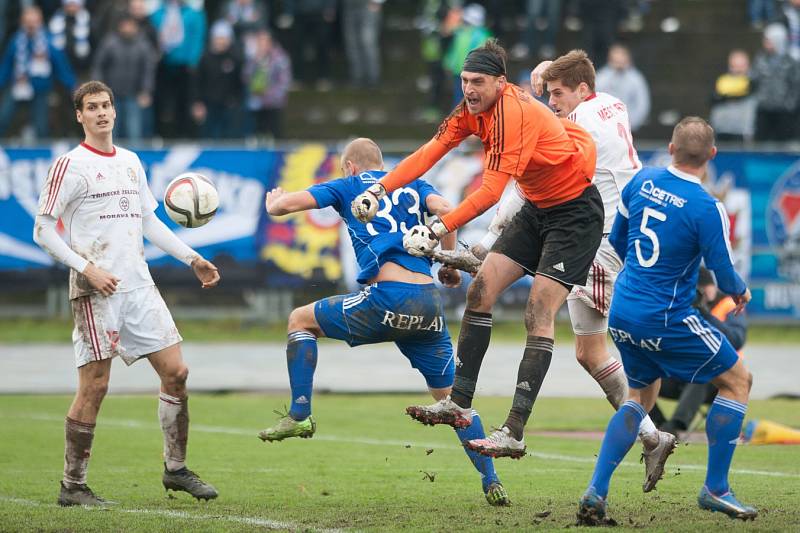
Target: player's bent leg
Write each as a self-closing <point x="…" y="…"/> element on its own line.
<point x="591" y="350"/>
<point x="546" y="297"/>
<point x="496" y="274"/>
<point x="173" y="414"/>
<point x="723" y="425"/>
<point x="301" y="362"/>
<point x="79" y="433"/>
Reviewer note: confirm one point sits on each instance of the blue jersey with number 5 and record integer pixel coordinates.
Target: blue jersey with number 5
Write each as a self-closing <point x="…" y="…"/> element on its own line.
<point x="665" y="225"/>
<point x="381" y="240"/>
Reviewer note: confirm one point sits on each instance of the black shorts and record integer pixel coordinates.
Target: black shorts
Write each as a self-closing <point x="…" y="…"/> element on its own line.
<point x="559" y="242"/>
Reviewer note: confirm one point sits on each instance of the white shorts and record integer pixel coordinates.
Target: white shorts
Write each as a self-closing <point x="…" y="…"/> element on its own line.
<point x="588" y="305"/>
<point x="130" y="324"/>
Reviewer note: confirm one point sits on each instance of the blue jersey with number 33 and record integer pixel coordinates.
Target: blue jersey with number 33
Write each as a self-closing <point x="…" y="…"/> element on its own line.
<point x="666" y="223"/>
<point x="381" y="240"/>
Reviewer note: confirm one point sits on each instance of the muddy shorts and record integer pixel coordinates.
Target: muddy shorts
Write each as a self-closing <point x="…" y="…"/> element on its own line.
<point x="407" y="314"/>
<point x="558" y="242"/>
<point x="130" y="324"/>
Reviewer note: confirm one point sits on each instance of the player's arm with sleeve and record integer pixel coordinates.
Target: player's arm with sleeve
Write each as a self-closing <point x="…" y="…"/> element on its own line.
<point x="155" y="231"/>
<point x="619" y="231"/>
<point x="507" y="155"/>
<point x="64" y="185"/>
<point x="450" y="134"/>
<point x="714" y="231"/>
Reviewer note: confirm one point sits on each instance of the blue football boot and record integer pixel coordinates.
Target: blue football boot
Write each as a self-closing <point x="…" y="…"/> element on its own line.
<point x="726" y="503"/>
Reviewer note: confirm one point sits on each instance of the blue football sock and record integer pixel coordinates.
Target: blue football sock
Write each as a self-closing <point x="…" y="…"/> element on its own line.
<point x="483" y="464"/>
<point x="301" y="359"/>
<point x="723" y="425"/>
<point x="620" y="436"/>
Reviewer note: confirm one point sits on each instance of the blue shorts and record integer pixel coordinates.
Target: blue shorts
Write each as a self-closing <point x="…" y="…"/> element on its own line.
<point x="407" y="314"/>
<point x="693" y="350"/>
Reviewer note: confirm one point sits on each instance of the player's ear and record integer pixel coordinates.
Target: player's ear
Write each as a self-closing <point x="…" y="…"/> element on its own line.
<point x="713" y="153"/>
<point x="671" y="149"/>
<point x="78" y="116"/>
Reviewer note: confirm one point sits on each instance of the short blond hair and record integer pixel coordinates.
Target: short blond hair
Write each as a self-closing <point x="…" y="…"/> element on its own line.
<point x="692" y="141"/>
<point x="363" y="153"/>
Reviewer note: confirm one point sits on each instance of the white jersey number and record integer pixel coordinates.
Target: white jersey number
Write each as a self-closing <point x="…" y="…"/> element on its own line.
<point x="390" y="203"/>
<point x="650" y="234"/>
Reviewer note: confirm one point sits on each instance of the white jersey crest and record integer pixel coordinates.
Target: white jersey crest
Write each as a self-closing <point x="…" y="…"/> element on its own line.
<point x="606" y="119"/>
<point x="101" y="199"/>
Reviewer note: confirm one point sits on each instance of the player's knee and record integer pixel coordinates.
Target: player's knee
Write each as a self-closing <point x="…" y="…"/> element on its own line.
<point x="97" y="389"/>
<point x="298" y="319"/>
<point x="582" y="355"/>
<point x="181" y="375"/>
<point x="536" y="317"/>
<point x="476" y="295"/>
<point x="176" y="378"/>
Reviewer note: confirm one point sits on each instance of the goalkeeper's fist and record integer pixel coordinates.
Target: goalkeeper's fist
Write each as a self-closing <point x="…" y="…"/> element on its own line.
<point x="366" y="204"/>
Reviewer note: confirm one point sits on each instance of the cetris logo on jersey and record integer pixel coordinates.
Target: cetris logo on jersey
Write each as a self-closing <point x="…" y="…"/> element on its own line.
<point x="660" y="196"/>
<point x="783" y="222"/>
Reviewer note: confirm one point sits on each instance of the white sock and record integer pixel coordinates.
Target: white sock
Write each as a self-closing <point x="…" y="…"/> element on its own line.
<point x="648" y="430"/>
<point x="174" y="416"/>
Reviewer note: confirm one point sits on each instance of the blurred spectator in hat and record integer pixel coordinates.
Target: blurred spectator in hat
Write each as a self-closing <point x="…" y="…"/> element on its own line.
<point x="217" y="85"/>
<point x="777" y="79"/>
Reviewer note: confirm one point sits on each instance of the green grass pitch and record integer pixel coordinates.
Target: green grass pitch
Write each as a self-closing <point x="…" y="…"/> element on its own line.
<point x="368" y="468"/>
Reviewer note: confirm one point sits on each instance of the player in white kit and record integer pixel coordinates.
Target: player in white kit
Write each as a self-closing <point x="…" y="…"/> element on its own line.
<point x="570" y="82"/>
<point x="100" y="193"/>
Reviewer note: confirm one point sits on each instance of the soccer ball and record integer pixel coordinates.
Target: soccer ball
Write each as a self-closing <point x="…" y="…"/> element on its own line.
<point x="191" y="200"/>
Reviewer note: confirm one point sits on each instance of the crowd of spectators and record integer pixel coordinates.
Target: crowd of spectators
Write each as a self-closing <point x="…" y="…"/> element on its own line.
<point x="224" y="69"/>
<point x="177" y="70"/>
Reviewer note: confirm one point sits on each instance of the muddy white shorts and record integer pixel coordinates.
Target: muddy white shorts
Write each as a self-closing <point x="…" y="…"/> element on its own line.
<point x="589" y="304"/>
<point x="130" y="324"/>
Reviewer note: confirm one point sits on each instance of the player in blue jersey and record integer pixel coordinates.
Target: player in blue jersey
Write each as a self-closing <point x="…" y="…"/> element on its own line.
<point x="666" y="224"/>
<point x="399" y="302"/>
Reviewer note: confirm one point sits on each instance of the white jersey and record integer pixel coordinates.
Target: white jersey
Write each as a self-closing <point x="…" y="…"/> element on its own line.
<point x="606" y="119"/>
<point x="101" y="199"/>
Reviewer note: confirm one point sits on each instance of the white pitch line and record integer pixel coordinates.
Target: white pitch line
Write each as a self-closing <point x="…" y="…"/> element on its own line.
<point x="137" y="424"/>
<point x="246" y="520"/>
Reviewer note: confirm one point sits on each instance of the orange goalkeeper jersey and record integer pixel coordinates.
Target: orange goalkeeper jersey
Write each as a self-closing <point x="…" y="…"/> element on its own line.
<point x="552" y="159"/>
